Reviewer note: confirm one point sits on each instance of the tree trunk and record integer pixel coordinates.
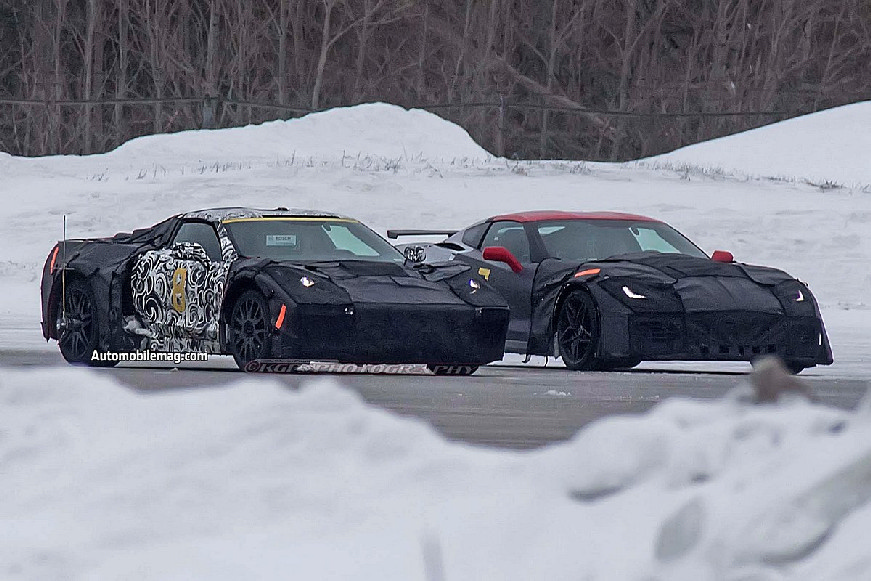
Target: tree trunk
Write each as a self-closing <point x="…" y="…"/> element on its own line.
<point x="551" y="64"/>
<point x="87" y="89"/>
<point x="361" y="50"/>
<point x="462" y="56"/>
<point x="56" y="123"/>
<point x="283" y="20"/>
<point x="298" y="41"/>
<point x="211" y="72"/>
<point x="121" y="81"/>
<point x="322" y="59"/>
<point x="421" y="60"/>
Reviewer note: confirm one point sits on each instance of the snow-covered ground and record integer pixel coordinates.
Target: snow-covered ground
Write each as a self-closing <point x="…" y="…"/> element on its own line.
<point x="253" y="481"/>
<point x="828" y="148"/>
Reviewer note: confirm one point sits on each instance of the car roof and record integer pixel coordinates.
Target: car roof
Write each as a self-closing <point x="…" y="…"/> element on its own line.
<point x="222" y="214"/>
<point x="547" y="215"/>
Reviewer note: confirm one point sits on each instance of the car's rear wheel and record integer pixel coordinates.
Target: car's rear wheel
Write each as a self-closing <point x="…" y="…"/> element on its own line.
<point x="456" y="370"/>
<point x="248" y="331"/>
<point x="577" y="331"/>
<point x="77" y="320"/>
<point x="619" y="364"/>
<point x="795" y="367"/>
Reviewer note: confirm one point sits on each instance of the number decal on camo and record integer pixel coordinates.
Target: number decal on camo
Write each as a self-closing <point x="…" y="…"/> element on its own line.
<point x="179" y="296"/>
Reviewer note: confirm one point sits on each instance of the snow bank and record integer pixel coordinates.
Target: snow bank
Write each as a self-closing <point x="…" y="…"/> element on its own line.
<point x="829" y="146"/>
<point x="256" y="481"/>
<point x="373" y="130"/>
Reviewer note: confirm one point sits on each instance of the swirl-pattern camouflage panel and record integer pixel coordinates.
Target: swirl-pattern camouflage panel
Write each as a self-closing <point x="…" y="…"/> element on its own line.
<point x="227" y="249"/>
<point x="178" y="300"/>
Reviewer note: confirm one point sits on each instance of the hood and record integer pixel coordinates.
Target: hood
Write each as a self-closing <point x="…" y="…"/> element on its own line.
<point x="702" y="284"/>
<point x="670" y="268"/>
<point x="356" y="281"/>
<point x="680" y="283"/>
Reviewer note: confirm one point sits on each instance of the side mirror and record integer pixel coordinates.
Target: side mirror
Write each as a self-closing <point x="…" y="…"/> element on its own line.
<point x="722" y="256"/>
<point x="502" y="254"/>
<point x="414" y="253"/>
<point x="189" y="251"/>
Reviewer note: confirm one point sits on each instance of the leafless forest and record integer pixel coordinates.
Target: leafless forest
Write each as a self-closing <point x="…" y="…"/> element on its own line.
<point x="592" y="79"/>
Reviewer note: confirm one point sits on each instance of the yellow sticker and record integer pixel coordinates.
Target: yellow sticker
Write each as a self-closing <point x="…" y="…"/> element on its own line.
<point x="485" y="272"/>
<point x="179" y="282"/>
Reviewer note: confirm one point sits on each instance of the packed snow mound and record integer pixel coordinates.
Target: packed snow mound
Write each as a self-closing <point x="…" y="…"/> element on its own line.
<point x="252" y="480"/>
<point x="374" y="129"/>
<point x="829" y="146"/>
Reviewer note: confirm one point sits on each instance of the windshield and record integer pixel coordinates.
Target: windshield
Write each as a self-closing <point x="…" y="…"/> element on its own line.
<point x="309" y="239"/>
<point x="598" y="239"/>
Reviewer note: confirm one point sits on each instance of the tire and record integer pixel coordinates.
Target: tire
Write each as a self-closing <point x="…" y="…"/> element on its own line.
<point x="619" y="364"/>
<point x="455" y="370"/>
<point x="249" y="336"/>
<point x="79" y="336"/>
<point x="794" y="367"/>
<point x="577" y="332"/>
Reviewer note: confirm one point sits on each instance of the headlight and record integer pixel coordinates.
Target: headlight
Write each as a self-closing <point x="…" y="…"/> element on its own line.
<point x="800" y="296"/>
<point x="632" y="295"/>
<point x="306" y="282"/>
<point x="474" y="284"/>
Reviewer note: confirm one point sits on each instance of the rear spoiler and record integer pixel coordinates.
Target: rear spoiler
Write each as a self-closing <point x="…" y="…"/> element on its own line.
<point x="394" y="234"/>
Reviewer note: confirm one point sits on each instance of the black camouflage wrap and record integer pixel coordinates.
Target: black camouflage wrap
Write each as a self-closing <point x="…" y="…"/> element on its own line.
<point x="695" y="309"/>
<point x="152" y="295"/>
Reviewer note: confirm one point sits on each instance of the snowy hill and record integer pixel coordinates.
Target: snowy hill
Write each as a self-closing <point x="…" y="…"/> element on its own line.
<point x="830" y="146"/>
<point x="371" y="130"/>
<point x="243" y="481"/>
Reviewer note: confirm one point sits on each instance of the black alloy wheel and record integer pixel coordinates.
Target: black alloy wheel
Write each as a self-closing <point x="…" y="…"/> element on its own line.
<point x="577" y="331"/>
<point x="249" y="333"/>
<point x="78" y="337"/>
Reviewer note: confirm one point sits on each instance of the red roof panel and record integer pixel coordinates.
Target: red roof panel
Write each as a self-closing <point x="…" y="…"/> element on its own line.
<point x="547" y="215"/>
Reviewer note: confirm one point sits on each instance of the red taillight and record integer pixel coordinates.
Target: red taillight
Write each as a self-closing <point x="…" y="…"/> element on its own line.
<point x="53" y="259"/>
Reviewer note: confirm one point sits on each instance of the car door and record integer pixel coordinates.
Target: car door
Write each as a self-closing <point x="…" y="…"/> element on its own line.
<point x="177" y="290"/>
<point x="516" y="287"/>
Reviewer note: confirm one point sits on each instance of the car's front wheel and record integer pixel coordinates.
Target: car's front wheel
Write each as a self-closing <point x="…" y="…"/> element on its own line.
<point x="248" y="331"/>
<point x="78" y="324"/>
<point x="577" y="331"/>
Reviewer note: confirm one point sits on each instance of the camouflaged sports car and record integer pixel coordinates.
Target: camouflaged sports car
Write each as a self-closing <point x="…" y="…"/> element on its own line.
<point x="265" y="285"/>
<point x="608" y="290"/>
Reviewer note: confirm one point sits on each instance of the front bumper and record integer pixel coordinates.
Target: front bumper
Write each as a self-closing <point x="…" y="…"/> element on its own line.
<point x="394" y="333"/>
<point x="727" y="336"/>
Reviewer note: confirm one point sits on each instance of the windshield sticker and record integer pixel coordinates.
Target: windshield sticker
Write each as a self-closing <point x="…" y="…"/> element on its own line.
<point x="281" y="239"/>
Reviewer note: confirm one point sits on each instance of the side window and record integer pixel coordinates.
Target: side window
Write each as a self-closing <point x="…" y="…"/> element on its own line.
<point x="204" y="235"/>
<point x="512" y="236"/>
<point x="473" y="235"/>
